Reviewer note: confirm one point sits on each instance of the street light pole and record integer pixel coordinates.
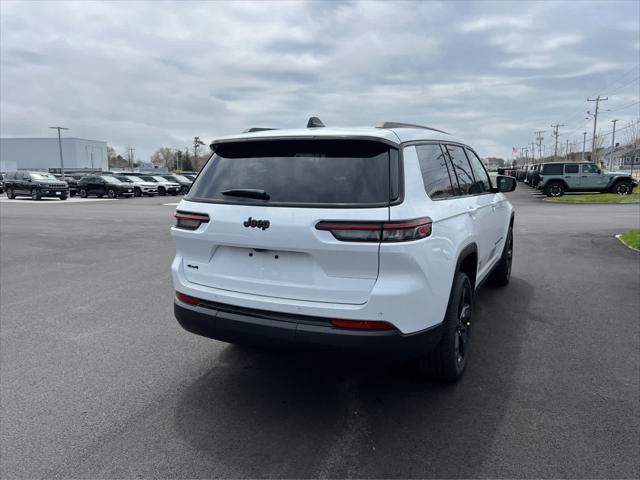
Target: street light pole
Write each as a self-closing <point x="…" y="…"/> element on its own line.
<point x="60" y="147"/>
<point x="584" y="143"/>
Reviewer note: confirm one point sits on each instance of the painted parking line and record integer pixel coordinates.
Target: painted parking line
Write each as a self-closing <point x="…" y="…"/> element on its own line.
<point x="173" y="204"/>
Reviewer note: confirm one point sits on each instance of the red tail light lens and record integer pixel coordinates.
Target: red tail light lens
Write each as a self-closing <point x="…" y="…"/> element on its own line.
<point x="190" y="221"/>
<point x="188" y="299"/>
<point x="403" y="231"/>
<point x="362" y="324"/>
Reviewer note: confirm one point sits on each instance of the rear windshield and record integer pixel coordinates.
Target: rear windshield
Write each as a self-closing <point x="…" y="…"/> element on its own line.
<point x="325" y="172"/>
<point x="552" y="169"/>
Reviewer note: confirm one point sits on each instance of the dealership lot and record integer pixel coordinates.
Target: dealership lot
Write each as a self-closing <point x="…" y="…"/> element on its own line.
<point x="98" y="380"/>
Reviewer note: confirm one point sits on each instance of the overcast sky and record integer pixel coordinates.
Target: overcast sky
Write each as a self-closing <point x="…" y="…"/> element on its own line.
<point x="156" y="74"/>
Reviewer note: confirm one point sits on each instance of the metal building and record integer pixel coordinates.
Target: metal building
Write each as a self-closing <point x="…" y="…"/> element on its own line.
<point x="44" y="154"/>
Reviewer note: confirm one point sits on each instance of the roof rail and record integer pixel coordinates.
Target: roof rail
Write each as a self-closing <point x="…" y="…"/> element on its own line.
<point x="407" y="125"/>
<point x="258" y="129"/>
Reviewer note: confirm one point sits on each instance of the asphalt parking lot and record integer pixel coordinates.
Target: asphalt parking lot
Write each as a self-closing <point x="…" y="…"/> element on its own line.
<point x="98" y="380"/>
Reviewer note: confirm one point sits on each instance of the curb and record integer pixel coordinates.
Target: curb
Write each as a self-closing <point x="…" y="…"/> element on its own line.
<point x="619" y="237"/>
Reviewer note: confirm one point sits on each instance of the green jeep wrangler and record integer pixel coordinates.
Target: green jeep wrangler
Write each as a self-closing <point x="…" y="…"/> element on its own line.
<point x="557" y="178"/>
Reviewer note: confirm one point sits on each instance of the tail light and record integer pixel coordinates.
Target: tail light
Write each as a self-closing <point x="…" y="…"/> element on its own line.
<point x="190" y="221"/>
<point x="363" y="324"/>
<point x="403" y="231"/>
<point x="188" y="299"/>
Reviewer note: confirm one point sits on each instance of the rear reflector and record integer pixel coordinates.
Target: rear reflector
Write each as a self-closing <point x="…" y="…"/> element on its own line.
<point x="190" y="221"/>
<point x="183" y="297"/>
<point x="402" y="231"/>
<point x="362" y="324"/>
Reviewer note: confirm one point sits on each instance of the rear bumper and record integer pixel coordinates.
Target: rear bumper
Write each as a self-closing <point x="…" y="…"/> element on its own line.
<point x="258" y="328"/>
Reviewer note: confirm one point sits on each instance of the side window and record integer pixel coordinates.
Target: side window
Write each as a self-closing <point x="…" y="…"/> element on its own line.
<point x="435" y="172"/>
<point x="552" y="169"/>
<point x="483" y="184"/>
<point x="26" y="176"/>
<point x="589" y="168"/>
<point x="461" y="169"/>
<point x="571" y="168"/>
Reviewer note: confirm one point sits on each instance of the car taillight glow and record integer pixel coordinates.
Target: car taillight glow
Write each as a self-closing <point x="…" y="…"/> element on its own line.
<point x="190" y="221"/>
<point x="402" y="231"/>
<point x="362" y="324"/>
<point x="188" y="299"/>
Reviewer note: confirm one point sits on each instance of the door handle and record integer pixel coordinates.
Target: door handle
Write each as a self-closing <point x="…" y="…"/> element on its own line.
<point x="567" y="176"/>
<point x="472" y="210"/>
<point x="584" y="176"/>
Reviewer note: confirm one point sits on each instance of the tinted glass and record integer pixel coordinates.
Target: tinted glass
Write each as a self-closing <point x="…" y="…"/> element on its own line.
<point x="552" y="169"/>
<point x="589" y="168"/>
<point x="571" y="169"/>
<point x="298" y="172"/>
<point x="435" y="172"/>
<point x="462" y="170"/>
<point x="483" y="184"/>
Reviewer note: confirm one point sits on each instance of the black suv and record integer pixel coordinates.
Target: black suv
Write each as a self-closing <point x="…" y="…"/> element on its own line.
<point x="72" y="182"/>
<point x="35" y="185"/>
<point x="101" y="185"/>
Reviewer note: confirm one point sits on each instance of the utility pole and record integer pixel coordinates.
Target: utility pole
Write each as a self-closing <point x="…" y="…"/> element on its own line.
<point x="566" y="153"/>
<point x="196" y="144"/>
<point x="131" y="150"/>
<point x="60" y="147"/>
<point x="598" y="99"/>
<point x="613" y="140"/>
<point x="555" y="134"/>
<point x="584" y="143"/>
<point x="539" y="139"/>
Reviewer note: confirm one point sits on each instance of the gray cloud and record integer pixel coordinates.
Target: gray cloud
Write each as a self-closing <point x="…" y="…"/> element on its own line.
<point x="153" y="74"/>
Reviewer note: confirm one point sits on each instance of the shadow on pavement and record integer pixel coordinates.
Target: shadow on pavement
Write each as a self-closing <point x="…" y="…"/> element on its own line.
<point x="263" y="413"/>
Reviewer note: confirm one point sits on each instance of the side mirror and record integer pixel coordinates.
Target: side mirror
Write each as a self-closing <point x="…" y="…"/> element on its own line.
<point x="599" y="172"/>
<point x="505" y="184"/>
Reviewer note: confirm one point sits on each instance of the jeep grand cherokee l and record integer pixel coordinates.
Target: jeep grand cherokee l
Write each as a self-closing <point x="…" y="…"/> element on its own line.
<point x="371" y="239"/>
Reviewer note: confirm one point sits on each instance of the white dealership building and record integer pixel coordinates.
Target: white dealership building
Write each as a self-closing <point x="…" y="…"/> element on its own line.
<point x="44" y="154"/>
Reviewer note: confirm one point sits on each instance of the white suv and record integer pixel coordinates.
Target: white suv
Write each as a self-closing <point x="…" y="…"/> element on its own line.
<point x="362" y="238"/>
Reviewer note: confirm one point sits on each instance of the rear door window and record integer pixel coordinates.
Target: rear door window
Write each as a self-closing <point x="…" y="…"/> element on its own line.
<point x="297" y="172"/>
<point x="571" y="169"/>
<point x="462" y="170"/>
<point x="435" y="172"/>
<point x="482" y="183"/>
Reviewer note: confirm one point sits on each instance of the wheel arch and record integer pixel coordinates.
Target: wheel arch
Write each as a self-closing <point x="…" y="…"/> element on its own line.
<point x="468" y="262"/>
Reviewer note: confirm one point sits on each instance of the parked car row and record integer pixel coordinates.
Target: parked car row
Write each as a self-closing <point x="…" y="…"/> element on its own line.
<point x="37" y="185"/>
<point x="556" y="178"/>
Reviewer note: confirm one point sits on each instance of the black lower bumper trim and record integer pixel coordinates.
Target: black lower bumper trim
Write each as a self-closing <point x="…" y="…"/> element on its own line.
<point x="244" y="329"/>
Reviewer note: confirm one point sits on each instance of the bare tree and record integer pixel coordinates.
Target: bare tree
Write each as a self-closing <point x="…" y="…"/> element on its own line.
<point x="632" y="139"/>
<point x="163" y="157"/>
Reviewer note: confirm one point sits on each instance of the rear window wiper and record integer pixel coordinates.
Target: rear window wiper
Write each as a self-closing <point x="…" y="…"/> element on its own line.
<point x="247" y="192"/>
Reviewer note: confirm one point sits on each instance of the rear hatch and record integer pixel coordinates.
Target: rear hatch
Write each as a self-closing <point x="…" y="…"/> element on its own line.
<point x="264" y="200"/>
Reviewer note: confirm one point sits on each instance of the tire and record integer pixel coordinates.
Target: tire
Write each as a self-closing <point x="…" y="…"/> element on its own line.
<point x="137" y="192"/>
<point x="111" y="193"/>
<point x="502" y="272"/>
<point x="184" y="190"/>
<point x="162" y="191"/>
<point x="83" y="193"/>
<point x="72" y="194"/>
<point x="10" y="194"/>
<point x="554" y="189"/>
<point x="447" y="361"/>
<point x="35" y="194"/>
<point x="174" y="193"/>
<point x="63" y="196"/>
<point x="622" y="187"/>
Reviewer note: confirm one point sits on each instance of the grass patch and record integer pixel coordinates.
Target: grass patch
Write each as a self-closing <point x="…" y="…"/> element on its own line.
<point x="631" y="238"/>
<point x="596" y="198"/>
